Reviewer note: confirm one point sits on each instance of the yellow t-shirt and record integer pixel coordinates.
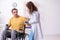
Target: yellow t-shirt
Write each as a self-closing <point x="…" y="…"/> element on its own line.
<point x="17" y="23"/>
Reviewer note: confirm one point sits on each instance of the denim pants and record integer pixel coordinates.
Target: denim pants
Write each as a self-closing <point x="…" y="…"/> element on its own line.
<point x="13" y="34"/>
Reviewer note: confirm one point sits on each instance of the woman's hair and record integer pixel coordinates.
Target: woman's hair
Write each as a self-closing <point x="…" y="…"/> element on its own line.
<point x="30" y="5"/>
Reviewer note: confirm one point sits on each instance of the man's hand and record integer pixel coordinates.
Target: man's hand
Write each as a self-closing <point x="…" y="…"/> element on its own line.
<point x="20" y="30"/>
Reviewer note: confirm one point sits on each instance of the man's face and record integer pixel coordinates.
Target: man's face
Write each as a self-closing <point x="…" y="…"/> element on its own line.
<point x="15" y="13"/>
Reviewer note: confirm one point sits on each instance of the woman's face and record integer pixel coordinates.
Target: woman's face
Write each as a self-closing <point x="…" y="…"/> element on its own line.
<point x="27" y="9"/>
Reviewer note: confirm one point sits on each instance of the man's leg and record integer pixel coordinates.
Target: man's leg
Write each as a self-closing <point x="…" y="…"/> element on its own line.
<point x="13" y="34"/>
<point x="4" y="34"/>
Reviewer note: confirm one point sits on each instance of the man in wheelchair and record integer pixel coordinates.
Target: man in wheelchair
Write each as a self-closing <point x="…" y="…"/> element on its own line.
<point x="17" y="25"/>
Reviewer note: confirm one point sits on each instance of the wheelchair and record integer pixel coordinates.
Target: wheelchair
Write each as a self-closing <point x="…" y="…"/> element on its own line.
<point x="19" y="35"/>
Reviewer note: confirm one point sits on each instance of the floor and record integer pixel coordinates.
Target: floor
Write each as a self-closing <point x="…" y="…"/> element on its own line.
<point x="46" y="37"/>
<point x="52" y="37"/>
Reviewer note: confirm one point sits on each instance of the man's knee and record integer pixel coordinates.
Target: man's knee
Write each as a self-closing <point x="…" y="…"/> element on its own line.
<point x="4" y="32"/>
<point x="13" y="34"/>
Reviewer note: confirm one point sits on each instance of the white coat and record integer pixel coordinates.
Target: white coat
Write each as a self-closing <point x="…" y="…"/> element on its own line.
<point x="36" y="26"/>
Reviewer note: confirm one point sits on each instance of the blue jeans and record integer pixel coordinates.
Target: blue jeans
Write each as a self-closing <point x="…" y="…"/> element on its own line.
<point x="31" y="35"/>
<point x="13" y="34"/>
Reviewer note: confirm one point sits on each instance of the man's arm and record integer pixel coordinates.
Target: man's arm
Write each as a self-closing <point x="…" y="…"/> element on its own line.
<point x="9" y="24"/>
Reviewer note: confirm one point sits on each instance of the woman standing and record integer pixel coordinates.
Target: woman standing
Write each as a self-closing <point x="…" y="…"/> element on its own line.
<point x="34" y="20"/>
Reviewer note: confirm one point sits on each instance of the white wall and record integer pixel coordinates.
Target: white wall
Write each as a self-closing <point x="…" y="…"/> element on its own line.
<point x="6" y="7"/>
<point x="48" y="9"/>
<point x="51" y="12"/>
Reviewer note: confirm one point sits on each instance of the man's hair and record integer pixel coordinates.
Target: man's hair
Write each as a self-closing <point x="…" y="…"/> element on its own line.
<point x="14" y="9"/>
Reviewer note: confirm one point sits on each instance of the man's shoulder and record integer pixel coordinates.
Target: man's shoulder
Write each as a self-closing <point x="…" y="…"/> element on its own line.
<point x="11" y="18"/>
<point x="22" y="16"/>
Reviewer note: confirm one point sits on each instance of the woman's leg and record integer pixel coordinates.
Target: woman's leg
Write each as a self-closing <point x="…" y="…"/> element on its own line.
<point x="31" y="35"/>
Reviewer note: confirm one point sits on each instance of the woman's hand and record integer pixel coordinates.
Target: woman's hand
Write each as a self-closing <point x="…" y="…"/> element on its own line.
<point x="27" y="19"/>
